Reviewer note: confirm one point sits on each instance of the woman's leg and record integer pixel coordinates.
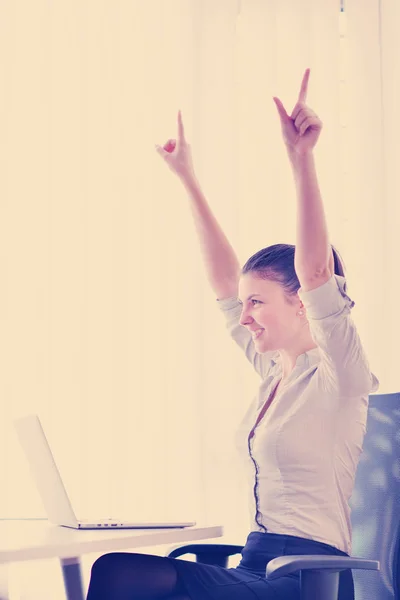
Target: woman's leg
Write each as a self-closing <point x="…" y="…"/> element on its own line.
<point x="126" y="576"/>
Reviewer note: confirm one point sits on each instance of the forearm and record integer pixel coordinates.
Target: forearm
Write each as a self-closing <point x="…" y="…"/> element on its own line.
<point x="221" y="263"/>
<point x="313" y="249"/>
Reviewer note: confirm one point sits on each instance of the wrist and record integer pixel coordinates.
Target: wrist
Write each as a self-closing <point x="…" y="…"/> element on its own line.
<point x="189" y="180"/>
<point x="298" y="160"/>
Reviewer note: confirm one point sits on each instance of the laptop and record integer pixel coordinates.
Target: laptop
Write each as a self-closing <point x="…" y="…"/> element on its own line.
<point x="52" y="490"/>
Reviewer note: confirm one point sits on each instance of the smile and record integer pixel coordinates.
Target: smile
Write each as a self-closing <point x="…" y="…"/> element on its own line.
<point x="257" y="333"/>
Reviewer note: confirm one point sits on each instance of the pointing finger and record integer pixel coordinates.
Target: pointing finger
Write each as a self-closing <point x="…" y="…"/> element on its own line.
<point x="181" y="131"/>
<point x="304" y="86"/>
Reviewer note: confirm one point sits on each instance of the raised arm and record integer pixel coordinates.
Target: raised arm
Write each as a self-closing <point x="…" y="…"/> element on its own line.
<point x="221" y="264"/>
<point x="301" y="130"/>
<point x="344" y="367"/>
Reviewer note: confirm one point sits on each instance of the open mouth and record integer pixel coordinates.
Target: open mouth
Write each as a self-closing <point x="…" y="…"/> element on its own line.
<point x="258" y="333"/>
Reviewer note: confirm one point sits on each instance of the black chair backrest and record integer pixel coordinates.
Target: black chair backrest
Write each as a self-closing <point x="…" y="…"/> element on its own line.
<point x="375" y="503"/>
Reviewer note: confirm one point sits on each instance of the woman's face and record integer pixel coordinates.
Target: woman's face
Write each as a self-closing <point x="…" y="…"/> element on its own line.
<point x="266" y="313"/>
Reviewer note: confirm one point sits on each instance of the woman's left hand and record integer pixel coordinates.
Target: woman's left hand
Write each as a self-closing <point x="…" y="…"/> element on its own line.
<point x="302" y="129"/>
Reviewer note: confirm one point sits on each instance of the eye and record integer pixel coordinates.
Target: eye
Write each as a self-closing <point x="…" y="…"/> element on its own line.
<point x="252" y="300"/>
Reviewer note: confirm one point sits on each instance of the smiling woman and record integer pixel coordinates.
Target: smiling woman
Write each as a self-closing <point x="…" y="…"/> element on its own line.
<point x="288" y="310"/>
<point x="268" y="294"/>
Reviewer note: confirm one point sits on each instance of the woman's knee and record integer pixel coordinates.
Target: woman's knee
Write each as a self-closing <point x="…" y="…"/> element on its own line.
<point x="107" y="562"/>
<point x="113" y="565"/>
<point x="144" y="569"/>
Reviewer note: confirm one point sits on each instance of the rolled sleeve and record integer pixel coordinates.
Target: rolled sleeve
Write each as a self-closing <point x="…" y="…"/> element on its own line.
<point x="344" y="366"/>
<point x="328" y="299"/>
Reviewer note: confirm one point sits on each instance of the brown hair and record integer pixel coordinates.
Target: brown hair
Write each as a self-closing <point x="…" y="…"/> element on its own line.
<point x="277" y="264"/>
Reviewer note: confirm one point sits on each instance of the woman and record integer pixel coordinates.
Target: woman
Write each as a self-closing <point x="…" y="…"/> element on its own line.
<point x="302" y="436"/>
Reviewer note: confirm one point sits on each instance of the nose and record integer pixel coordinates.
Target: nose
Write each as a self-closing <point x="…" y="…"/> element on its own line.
<point x="245" y="318"/>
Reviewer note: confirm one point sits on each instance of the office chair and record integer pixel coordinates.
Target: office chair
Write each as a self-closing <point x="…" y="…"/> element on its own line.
<point x="375" y="516"/>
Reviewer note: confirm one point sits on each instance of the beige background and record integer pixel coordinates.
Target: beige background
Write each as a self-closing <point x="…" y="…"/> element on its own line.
<point x="108" y="327"/>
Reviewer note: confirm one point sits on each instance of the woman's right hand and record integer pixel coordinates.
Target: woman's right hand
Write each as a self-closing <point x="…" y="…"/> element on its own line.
<point x="177" y="153"/>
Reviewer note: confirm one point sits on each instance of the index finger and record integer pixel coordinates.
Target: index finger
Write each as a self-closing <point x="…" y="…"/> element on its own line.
<point x="181" y="131"/>
<point x="304" y="87"/>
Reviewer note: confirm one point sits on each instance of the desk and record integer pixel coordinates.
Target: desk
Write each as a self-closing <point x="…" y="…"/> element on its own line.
<point x="39" y="539"/>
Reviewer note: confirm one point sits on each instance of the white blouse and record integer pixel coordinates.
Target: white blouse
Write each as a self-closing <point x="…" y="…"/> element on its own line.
<point x="302" y="459"/>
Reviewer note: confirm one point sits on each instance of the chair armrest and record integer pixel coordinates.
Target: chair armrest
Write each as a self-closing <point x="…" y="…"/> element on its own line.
<point x="284" y="565"/>
<point x="211" y="554"/>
